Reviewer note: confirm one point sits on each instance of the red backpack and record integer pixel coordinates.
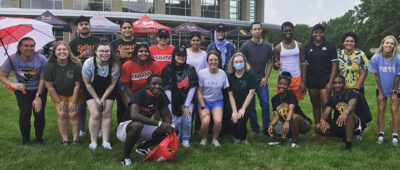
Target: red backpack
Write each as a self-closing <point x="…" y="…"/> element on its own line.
<point x="165" y="150"/>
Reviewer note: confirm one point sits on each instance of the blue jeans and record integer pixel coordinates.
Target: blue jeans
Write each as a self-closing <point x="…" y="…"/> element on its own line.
<point x="263" y="98"/>
<point x="183" y="124"/>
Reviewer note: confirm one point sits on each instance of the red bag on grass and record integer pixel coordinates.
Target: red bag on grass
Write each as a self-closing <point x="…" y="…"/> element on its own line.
<point x="165" y="150"/>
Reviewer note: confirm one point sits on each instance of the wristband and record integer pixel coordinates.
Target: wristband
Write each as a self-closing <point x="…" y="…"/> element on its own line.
<point x="159" y="124"/>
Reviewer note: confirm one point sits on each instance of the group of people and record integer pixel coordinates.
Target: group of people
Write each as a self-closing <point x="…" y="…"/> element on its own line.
<point x="159" y="89"/>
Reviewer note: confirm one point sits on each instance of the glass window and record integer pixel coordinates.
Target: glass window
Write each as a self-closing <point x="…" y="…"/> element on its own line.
<point x="210" y="8"/>
<point x="253" y="10"/>
<point x="178" y="7"/>
<point x="4" y="3"/>
<point x="92" y="5"/>
<point x="42" y="4"/>
<point x="139" y="6"/>
<point x="235" y="10"/>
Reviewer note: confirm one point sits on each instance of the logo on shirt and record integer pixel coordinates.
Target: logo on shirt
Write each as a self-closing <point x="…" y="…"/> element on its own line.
<point x="83" y="48"/>
<point x="341" y="106"/>
<point x="125" y="51"/>
<point x="142" y="75"/>
<point x="163" y="58"/>
<point x="387" y="69"/>
<point x="183" y="84"/>
<point x="283" y="110"/>
<point x="70" y="74"/>
<point x="324" y="48"/>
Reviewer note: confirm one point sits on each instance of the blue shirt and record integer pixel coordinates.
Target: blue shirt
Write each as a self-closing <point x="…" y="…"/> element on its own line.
<point x="387" y="69"/>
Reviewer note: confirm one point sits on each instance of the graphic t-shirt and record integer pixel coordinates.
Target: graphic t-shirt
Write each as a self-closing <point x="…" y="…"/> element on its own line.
<point x="79" y="45"/>
<point x="137" y="75"/>
<point x="282" y="106"/>
<point x="197" y="60"/>
<point x="212" y="84"/>
<point x="350" y="66"/>
<point x="148" y="104"/>
<point x="241" y="87"/>
<point x="340" y="103"/>
<point x="29" y="72"/>
<point x="161" y="56"/>
<point x="123" y="50"/>
<point x="63" y="77"/>
<point x="387" y="69"/>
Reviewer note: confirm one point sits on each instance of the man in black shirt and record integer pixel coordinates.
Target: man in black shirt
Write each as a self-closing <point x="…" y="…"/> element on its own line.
<point x="137" y="124"/>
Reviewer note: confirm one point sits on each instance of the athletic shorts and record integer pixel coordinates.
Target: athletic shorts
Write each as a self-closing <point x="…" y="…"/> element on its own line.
<point x="211" y="105"/>
<point x="145" y="135"/>
<point x="67" y="99"/>
<point x="340" y="132"/>
<point x="317" y="82"/>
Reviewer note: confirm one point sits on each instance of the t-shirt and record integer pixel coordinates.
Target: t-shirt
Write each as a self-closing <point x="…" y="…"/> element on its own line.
<point x="79" y="45"/>
<point x="282" y="106"/>
<point x="257" y="55"/>
<point x="197" y="60"/>
<point x="88" y="70"/>
<point x="350" y="66"/>
<point x="148" y="105"/>
<point x="319" y="59"/>
<point x="161" y="56"/>
<point x="123" y="49"/>
<point x="240" y="87"/>
<point x="387" y="69"/>
<point x="137" y="75"/>
<point x="29" y="72"/>
<point x="212" y="84"/>
<point x="63" y="77"/>
<point x="340" y="103"/>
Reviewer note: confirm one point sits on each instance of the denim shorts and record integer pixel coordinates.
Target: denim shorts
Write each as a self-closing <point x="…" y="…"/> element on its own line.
<point x="211" y="105"/>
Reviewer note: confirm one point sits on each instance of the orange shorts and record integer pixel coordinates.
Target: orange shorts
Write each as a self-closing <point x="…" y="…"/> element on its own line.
<point x="295" y="87"/>
<point x="67" y="99"/>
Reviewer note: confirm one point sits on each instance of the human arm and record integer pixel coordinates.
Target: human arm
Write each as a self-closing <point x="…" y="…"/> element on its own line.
<point x="37" y="102"/>
<point x="332" y="76"/>
<point x="285" y="126"/>
<point x="276" y="57"/>
<point x="361" y="79"/>
<point x="341" y="121"/>
<point x="274" y="121"/>
<point x="264" y="80"/>
<point x="234" y="117"/>
<point x="303" y="68"/>
<point x="394" y="97"/>
<point x="381" y="98"/>
<point x="8" y="82"/>
<point x="189" y="97"/>
<point x="73" y="104"/>
<point x="204" y="111"/>
<point x="324" y="117"/>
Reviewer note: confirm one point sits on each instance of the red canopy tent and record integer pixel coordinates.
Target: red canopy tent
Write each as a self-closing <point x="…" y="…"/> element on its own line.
<point x="146" y="25"/>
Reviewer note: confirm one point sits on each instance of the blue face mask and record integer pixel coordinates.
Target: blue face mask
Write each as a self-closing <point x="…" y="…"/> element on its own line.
<point x="238" y="66"/>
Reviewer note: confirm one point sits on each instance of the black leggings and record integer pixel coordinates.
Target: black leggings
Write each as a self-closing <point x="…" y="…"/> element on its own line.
<point x="25" y="111"/>
<point x="239" y="129"/>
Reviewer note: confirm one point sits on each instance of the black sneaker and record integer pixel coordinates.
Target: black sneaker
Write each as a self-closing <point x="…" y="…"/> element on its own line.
<point x="25" y="143"/>
<point x="143" y="151"/>
<point x="39" y="141"/>
<point x="347" y="146"/>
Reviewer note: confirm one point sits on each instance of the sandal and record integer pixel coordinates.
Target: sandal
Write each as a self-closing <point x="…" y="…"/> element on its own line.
<point x="75" y="142"/>
<point x="65" y="143"/>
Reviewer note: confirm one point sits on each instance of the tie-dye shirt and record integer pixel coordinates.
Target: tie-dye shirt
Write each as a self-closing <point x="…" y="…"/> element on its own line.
<point x="350" y="66"/>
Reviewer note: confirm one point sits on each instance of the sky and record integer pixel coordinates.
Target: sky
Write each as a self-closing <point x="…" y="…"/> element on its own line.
<point x="308" y="12"/>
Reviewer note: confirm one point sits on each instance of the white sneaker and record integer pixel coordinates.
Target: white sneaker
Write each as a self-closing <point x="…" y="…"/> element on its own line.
<point x="203" y="142"/>
<point x="107" y="145"/>
<point x="380" y="139"/>
<point x="99" y="135"/>
<point x="126" y="162"/>
<point x="185" y="143"/>
<point x="294" y="145"/>
<point x="93" y="146"/>
<point x="394" y="141"/>
<point x="245" y="142"/>
<point x="81" y="133"/>
<point x="215" y="143"/>
<point x="236" y="141"/>
<point x="358" y="137"/>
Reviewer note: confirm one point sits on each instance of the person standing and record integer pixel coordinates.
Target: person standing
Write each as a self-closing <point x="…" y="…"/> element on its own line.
<point x="162" y="52"/>
<point x="259" y="56"/>
<point x="195" y="56"/>
<point x="29" y="87"/>
<point x="123" y="51"/>
<point x="385" y="64"/>
<point x="82" y="47"/>
<point x="63" y="77"/>
<point x="222" y="45"/>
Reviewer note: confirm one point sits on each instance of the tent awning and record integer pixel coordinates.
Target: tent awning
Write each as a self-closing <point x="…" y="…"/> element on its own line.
<point x="58" y="24"/>
<point x="146" y="25"/>
<point x="99" y="23"/>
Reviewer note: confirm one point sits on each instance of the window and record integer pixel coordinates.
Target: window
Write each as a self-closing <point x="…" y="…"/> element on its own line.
<point x="210" y="8"/>
<point x="253" y="10"/>
<point x="92" y="5"/>
<point x="139" y="6"/>
<point x="235" y="10"/>
<point x="42" y="4"/>
<point x="4" y="3"/>
<point x="178" y="7"/>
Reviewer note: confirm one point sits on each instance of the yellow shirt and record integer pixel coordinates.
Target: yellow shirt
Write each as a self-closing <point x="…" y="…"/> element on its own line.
<point x="350" y="66"/>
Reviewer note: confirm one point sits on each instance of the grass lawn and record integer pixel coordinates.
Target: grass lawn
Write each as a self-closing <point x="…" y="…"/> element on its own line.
<point x="313" y="153"/>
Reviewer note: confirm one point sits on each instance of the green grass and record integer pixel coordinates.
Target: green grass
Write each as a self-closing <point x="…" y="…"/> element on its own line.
<point x="313" y="153"/>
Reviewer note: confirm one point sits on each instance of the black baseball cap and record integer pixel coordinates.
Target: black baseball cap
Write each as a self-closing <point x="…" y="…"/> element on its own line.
<point x="318" y="26"/>
<point x="163" y="33"/>
<point x="220" y="27"/>
<point x="181" y="49"/>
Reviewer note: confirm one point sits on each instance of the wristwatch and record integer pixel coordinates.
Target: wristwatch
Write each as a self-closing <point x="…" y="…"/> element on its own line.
<point x="202" y="107"/>
<point x="394" y="91"/>
<point x="38" y="95"/>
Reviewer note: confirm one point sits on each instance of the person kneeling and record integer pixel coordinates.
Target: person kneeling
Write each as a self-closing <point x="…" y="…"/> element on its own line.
<point x="287" y="109"/>
<point x="345" y="122"/>
<point x="137" y="125"/>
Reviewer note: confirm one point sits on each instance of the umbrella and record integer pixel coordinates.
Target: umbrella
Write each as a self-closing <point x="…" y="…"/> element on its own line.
<point x="13" y="29"/>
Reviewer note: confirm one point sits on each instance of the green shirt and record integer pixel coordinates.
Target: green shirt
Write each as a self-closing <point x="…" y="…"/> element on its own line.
<point x="123" y="50"/>
<point x="63" y="77"/>
<point x="240" y="87"/>
<point x="79" y="45"/>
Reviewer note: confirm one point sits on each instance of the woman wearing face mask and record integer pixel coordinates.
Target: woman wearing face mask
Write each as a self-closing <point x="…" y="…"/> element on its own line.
<point x="195" y="56"/>
<point x="385" y="64"/>
<point x="222" y="45"/>
<point x="353" y="63"/>
<point x="243" y="85"/>
<point x="100" y="75"/>
<point x="179" y="83"/>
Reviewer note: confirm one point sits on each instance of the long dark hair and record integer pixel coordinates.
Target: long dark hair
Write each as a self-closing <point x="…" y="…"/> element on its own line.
<point x="176" y="98"/>
<point x="20" y="42"/>
<point x="136" y="51"/>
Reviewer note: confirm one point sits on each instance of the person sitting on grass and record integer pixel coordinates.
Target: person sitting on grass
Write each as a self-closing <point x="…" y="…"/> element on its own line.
<point x="287" y="109"/>
<point x="346" y="121"/>
<point x="137" y="125"/>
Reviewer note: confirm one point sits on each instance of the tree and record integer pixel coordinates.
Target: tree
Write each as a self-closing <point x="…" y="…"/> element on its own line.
<point x="335" y="28"/>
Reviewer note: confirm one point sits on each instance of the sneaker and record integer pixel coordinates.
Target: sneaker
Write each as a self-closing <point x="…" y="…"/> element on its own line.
<point x="99" y="135"/>
<point x="245" y="142"/>
<point x="185" y="143"/>
<point x="82" y="133"/>
<point x="203" y="142"/>
<point x="380" y="138"/>
<point x="126" y="162"/>
<point x="394" y="141"/>
<point x="236" y="141"/>
<point x="358" y="137"/>
<point x="294" y="145"/>
<point x="143" y="151"/>
<point x="107" y="145"/>
<point x="215" y="143"/>
<point x="93" y="146"/>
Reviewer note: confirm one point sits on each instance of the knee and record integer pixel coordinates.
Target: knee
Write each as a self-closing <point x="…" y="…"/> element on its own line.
<point x="217" y="122"/>
<point x="73" y="115"/>
<point x="106" y="116"/>
<point x="205" y="122"/>
<point x="62" y="115"/>
<point x="95" y="116"/>
<point x="134" y="126"/>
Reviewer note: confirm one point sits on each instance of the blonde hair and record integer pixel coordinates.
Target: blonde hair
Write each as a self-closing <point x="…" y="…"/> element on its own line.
<point x="395" y="49"/>
<point x="231" y="69"/>
<point x="53" y="57"/>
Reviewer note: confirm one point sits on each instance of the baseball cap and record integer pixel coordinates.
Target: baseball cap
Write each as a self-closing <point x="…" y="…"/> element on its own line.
<point x="220" y="27"/>
<point x="318" y="26"/>
<point x="181" y="49"/>
<point x="163" y="33"/>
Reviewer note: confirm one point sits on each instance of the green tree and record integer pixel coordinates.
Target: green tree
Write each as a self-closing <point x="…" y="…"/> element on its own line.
<point x="335" y="28"/>
<point x="302" y="33"/>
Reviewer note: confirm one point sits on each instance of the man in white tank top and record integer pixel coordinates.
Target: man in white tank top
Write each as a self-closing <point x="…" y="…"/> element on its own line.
<point x="288" y="55"/>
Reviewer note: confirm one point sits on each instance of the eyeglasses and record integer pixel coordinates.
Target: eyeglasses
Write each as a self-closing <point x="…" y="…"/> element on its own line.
<point x="103" y="51"/>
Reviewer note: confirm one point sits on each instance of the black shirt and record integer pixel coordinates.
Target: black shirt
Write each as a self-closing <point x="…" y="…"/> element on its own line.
<point x="319" y="58"/>
<point x="339" y="103"/>
<point x="148" y="104"/>
<point x="240" y="87"/>
<point x="282" y="106"/>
